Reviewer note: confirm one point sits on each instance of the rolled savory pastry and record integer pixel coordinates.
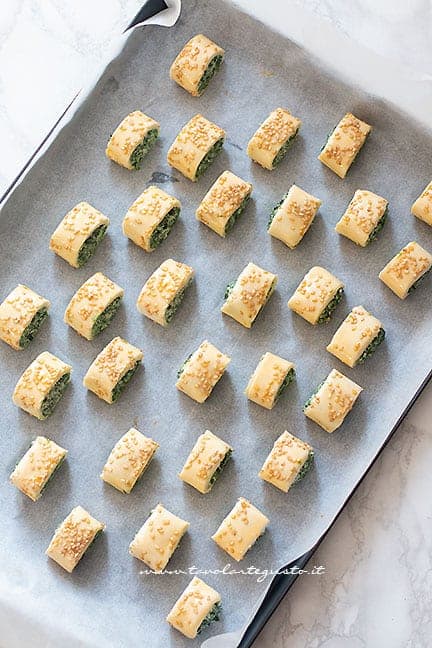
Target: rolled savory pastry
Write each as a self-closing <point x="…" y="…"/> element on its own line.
<point x="246" y="297"/>
<point x="197" y="607"/>
<point x="224" y="202"/>
<point x="158" y="538"/>
<point x="77" y="236"/>
<point x="42" y="385"/>
<point x="357" y="337"/>
<point x="132" y="140"/>
<point x="364" y="218"/>
<point x="292" y="216"/>
<point x="164" y="291"/>
<point x="128" y="460"/>
<point x="93" y="306"/>
<point x="201" y="371"/>
<point x="151" y="218"/>
<point x="288" y="462"/>
<point x="22" y="314"/>
<point x="196" y="64"/>
<point x="332" y="400"/>
<point x="317" y="295"/>
<point x="33" y="472"/>
<point x="269" y="380"/>
<point x="270" y="143"/>
<point x="73" y="537"/>
<point x="422" y="207"/>
<point x="206" y="461"/>
<point x="112" y="369"/>
<point x="240" y="529"/>
<point x="344" y="143"/>
<point x="405" y="271"/>
<point x="195" y="147"/>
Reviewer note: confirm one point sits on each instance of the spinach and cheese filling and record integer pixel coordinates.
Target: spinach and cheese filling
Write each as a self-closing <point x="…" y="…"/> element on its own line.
<point x="139" y="153"/>
<point x="344" y="143"/>
<point x="32" y="329"/>
<point x="161" y="232"/>
<point x="132" y="140"/>
<point x="54" y="395"/>
<point x="202" y="371"/>
<point x="197" y="607"/>
<point x="205" y="462"/>
<point x="270" y="143"/>
<point x="372" y="346"/>
<point x="292" y="216"/>
<point x="150" y="219"/>
<point x="209" y="73"/>
<point x="364" y="217"/>
<point x="403" y="273"/>
<point x="120" y="386"/>
<point x="357" y="337"/>
<point x="235" y="215"/>
<point x="128" y="460"/>
<point x="284" y="149"/>
<point x="418" y="281"/>
<point x="196" y="64"/>
<point x="183" y="365"/>
<point x="103" y="320"/>
<point x="173" y="306"/>
<point x="306" y="466"/>
<point x="288" y="462"/>
<point x="331" y="403"/>
<point x="213" y="615"/>
<point x="275" y="210"/>
<point x="271" y="377"/>
<point x="378" y="227"/>
<point x="88" y="248"/>
<point x="239" y="531"/>
<point x="286" y="381"/>
<point x="224" y="202"/>
<point x="328" y="310"/>
<point x="36" y="468"/>
<point x="22" y="314"/>
<point x="250" y="293"/>
<point x="317" y="295"/>
<point x="209" y="157"/>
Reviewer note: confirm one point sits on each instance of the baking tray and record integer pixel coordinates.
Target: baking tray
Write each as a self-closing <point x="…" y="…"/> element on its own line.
<point x="108" y="600"/>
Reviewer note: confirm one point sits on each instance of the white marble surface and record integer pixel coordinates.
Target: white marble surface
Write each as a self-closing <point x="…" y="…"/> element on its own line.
<point x="377" y="590"/>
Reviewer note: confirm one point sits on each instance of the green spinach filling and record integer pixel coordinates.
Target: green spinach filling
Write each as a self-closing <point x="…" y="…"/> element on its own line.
<point x="234" y="216"/>
<point x="312" y="396"/>
<point x="219" y="469"/>
<point x="160" y="233"/>
<point x="378" y="227"/>
<point x="209" y="72"/>
<point x="229" y="289"/>
<point x="32" y="329"/>
<point x="306" y="466"/>
<point x="328" y="310"/>
<point x="416" y="283"/>
<point x="117" y="390"/>
<point x="213" y="615"/>
<point x="173" y="306"/>
<point x="89" y="246"/>
<point x="54" y="395"/>
<point x="139" y="153"/>
<point x="286" y="381"/>
<point x="182" y="367"/>
<point x="283" y="150"/>
<point x="104" y="319"/>
<point x="275" y="210"/>
<point x="209" y="157"/>
<point x="372" y="346"/>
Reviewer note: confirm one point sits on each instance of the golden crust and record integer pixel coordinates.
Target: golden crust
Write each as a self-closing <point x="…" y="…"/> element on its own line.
<point x="35" y="468"/>
<point x="190" y="610"/>
<point x="16" y="313"/>
<point x="146" y="213"/>
<point x="294" y="216"/>
<point x="249" y="295"/>
<point x="362" y="216"/>
<point x="286" y="459"/>
<point x="344" y="143"/>
<point x="193" y="60"/>
<point x="354" y="335"/>
<point x="333" y="400"/>
<point x="266" y="380"/>
<point x="128" y="460"/>
<point x="128" y="135"/>
<point x="266" y="143"/>
<point x="422" y="207"/>
<point x="314" y="293"/>
<point x="240" y="529"/>
<point x="202" y="371"/>
<point x="203" y="460"/>
<point x="221" y="201"/>
<point x="401" y="272"/>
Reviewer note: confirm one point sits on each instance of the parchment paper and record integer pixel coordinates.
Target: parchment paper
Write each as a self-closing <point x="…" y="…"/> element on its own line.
<point x="107" y="601"/>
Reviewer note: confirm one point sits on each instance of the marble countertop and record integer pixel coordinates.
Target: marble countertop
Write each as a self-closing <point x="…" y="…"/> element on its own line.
<point x="377" y="588"/>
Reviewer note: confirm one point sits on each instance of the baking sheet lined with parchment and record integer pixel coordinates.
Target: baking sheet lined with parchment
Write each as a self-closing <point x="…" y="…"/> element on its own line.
<point x="107" y="601"/>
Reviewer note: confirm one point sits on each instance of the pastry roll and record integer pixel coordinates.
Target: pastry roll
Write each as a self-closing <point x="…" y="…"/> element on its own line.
<point x="42" y="385"/>
<point x="206" y="461"/>
<point x="269" y="380"/>
<point x="22" y="314"/>
<point x="332" y="400"/>
<point x="288" y="462"/>
<point x="158" y="538"/>
<point x="77" y="236"/>
<point x="73" y="537"/>
<point x="224" y="202"/>
<point x="33" y="472"/>
<point x="240" y="529"/>
<point x="246" y="297"/>
<point x="93" y="306"/>
<point x="132" y="140"/>
<point x="151" y="218"/>
<point x="270" y="143"/>
<point x="357" y="337"/>
<point x="195" y="147"/>
<point x="292" y="216"/>
<point x="422" y="208"/>
<point x="344" y="143"/>
<point x="128" y="460"/>
<point x="364" y="218"/>
<point x="201" y="371"/>
<point x="317" y="296"/>
<point x="197" y="607"/>
<point x="403" y="273"/>
<point x="164" y="291"/>
<point x="197" y="63"/>
<point x="112" y="369"/>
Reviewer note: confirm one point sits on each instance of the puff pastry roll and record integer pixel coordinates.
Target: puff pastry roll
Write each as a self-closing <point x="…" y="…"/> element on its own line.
<point x="112" y="369"/>
<point x="404" y="272"/>
<point x="364" y="218"/>
<point x="206" y="461"/>
<point x="158" y="538"/>
<point x="200" y="372"/>
<point x="246" y="297"/>
<point x="93" y="306"/>
<point x="344" y="143"/>
<point x="33" y="472"/>
<point x="292" y="216"/>
<point x="332" y="400"/>
<point x="270" y="143"/>
<point x="357" y="337"/>
<point x="79" y="233"/>
<point x="422" y="207"/>
<point x="132" y="140"/>
<point x="288" y="462"/>
<point x="128" y="460"/>
<point x="22" y="314"/>
<point x="42" y="385"/>
<point x="73" y="537"/>
<point x="197" y="63"/>
<point x="164" y="291"/>
<point x="151" y="218"/>
<point x="240" y="529"/>
<point x="195" y="147"/>
<point x="317" y="295"/>
<point x="197" y="607"/>
<point x="269" y="380"/>
<point x="224" y="202"/>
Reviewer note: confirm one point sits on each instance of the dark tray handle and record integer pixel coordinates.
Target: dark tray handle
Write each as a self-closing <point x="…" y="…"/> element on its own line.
<point x="148" y="10"/>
